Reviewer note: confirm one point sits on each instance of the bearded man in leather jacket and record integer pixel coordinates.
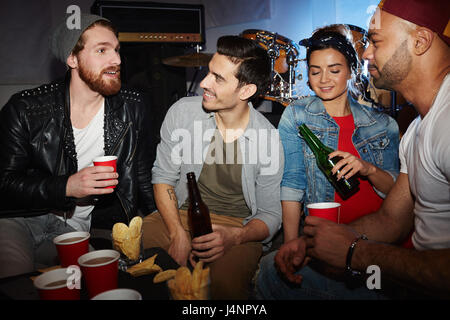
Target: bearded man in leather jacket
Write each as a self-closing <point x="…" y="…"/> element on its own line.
<point x="48" y="139"/>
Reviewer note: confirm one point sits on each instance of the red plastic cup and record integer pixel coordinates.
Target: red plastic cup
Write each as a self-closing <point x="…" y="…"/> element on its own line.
<point x="325" y="210"/>
<point x="58" y="285"/>
<point x="107" y="161"/>
<point x="100" y="270"/>
<point x="71" y="246"/>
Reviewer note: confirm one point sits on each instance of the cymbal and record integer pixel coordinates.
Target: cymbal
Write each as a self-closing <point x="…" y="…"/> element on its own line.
<point x="189" y="60"/>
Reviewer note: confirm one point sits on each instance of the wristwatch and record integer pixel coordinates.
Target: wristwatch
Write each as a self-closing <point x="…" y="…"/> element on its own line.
<point x="348" y="266"/>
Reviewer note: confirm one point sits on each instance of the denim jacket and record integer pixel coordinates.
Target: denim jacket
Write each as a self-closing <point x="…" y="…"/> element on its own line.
<point x="376" y="138"/>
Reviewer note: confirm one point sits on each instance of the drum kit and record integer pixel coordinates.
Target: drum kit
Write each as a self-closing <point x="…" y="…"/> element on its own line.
<point x="285" y="66"/>
<point x="283" y="54"/>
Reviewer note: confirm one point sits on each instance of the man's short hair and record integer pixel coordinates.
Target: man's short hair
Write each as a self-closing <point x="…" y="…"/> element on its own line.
<point x="254" y="62"/>
<point x="82" y="41"/>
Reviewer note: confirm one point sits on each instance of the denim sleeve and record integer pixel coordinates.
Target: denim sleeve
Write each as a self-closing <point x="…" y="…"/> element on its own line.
<point x="289" y="194"/>
<point x="390" y="155"/>
<point x="293" y="184"/>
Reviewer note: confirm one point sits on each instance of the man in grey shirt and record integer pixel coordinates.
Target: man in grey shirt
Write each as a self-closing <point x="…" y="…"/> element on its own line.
<point x="237" y="157"/>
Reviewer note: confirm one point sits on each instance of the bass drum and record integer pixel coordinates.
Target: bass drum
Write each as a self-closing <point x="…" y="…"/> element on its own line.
<point x="266" y="39"/>
<point x="283" y="53"/>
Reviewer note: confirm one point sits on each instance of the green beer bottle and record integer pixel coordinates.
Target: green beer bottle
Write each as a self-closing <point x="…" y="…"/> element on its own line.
<point x="345" y="187"/>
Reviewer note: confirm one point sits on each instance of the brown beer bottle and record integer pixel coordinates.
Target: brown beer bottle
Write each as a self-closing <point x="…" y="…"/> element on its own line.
<point x="198" y="213"/>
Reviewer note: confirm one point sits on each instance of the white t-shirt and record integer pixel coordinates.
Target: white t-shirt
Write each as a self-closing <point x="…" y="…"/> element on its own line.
<point x="425" y="157"/>
<point x="89" y="143"/>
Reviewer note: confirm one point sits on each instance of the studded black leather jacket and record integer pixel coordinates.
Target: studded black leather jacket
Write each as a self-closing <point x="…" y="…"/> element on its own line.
<point x="37" y="151"/>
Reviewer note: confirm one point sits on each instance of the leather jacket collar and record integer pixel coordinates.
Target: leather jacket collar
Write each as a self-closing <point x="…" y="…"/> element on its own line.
<point x="114" y="127"/>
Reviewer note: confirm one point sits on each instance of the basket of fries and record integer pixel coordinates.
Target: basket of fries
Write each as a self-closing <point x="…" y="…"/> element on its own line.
<point x="190" y="286"/>
<point x="182" y="284"/>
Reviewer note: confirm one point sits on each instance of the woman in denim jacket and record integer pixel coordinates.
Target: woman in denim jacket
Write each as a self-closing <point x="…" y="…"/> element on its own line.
<point x="367" y="140"/>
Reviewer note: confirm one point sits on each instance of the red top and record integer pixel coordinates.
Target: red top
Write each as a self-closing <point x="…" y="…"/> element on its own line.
<point x="365" y="200"/>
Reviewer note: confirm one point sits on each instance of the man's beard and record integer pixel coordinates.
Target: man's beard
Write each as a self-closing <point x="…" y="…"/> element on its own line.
<point x="96" y="82"/>
<point x="395" y="70"/>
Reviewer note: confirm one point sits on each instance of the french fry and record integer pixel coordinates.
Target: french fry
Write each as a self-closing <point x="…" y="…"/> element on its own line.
<point x="202" y="292"/>
<point x="137" y="272"/>
<point x="143" y="270"/>
<point x="196" y="276"/>
<point x="173" y="290"/>
<point x="205" y="277"/>
<point x="147" y="266"/>
<point x="164" y="276"/>
<point x="187" y="286"/>
<point x="183" y="280"/>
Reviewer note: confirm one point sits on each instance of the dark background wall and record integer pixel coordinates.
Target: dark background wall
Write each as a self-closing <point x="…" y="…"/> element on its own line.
<point x="25" y="59"/>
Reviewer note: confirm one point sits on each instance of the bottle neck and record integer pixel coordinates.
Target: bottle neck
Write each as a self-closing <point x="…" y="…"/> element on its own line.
<point x="194" y="193"/>
<point x="311" y="139"/>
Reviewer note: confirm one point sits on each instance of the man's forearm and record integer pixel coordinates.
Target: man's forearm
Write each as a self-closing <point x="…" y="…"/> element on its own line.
<point x="391" y="224"/>
<point x="381" y="228"/>
<point x="427" y="270"/>
<point x="254" y="230"/>
<point x="39" y="192"/>
<point x="395" y="219"/>
<point x="167" y="204"/>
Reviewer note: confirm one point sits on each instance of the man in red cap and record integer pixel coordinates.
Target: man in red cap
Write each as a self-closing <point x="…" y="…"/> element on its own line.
<point x="409" y="53"/>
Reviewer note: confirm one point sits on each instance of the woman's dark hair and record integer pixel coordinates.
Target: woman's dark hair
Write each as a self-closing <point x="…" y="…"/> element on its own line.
<point x="254" y="62"/>
<point x="337" y="37"/>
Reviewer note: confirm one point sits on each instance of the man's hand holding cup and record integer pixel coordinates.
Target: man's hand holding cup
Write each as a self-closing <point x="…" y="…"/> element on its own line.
<point x="99" y="179"/>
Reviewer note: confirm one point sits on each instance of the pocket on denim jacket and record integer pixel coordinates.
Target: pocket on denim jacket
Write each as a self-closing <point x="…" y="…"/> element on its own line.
<point x="376" y="146"/>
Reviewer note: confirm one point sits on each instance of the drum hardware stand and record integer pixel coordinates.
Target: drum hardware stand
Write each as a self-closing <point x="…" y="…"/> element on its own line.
<point x="273" y="52"/>
<point x="392" y="110"/>
<point x="291" y="62"/>
<point x="394" y="104"/>
<point x="283" y="50"/>
<point x="396" y="108"/>
<point x="191" y="90"/>
<point x="196" y="60"/>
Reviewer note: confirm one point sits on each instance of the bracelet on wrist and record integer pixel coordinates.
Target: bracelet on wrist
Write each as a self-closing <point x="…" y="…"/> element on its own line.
<point x="348" y="265"/>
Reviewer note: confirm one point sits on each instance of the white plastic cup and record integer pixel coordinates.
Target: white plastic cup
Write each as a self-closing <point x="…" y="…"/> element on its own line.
<point x="119" y="294"/>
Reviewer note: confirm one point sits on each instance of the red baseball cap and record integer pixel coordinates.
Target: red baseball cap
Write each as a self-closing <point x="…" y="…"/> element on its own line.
<point x="432" y="14"/>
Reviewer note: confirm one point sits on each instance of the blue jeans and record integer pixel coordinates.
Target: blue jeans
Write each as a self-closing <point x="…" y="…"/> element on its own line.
<point x="271" y="286"/>
<point x="26" y="244"/>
